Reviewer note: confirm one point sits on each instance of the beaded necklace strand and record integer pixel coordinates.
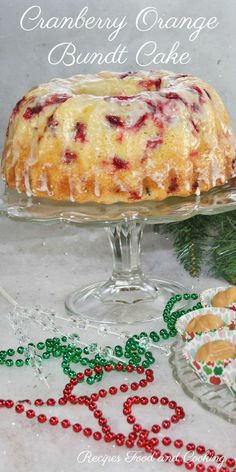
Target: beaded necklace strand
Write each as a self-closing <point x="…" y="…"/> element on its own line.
<point x="137" y="359"/>
<point x="135" y="351"/>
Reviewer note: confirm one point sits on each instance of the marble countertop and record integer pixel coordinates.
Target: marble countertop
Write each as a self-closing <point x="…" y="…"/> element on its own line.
<point x="41" y="264"/>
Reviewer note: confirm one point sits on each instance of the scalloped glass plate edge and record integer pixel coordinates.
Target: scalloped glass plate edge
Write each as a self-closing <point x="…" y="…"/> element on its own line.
<point x="19" y="206"/>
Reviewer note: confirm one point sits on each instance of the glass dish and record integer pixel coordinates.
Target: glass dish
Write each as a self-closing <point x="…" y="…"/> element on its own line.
<point x="216" y="399"/>
<point x="129" y="295"/>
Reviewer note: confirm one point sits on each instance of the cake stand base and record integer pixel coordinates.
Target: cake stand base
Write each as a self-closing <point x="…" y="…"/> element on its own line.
<point x="124" y="306"/>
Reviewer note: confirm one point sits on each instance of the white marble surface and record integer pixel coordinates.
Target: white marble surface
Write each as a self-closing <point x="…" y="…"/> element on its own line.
<point x="41" y="264"/>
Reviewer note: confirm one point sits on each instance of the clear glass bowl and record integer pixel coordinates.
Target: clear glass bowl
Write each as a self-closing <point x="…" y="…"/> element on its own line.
<point x="216" y="399"/>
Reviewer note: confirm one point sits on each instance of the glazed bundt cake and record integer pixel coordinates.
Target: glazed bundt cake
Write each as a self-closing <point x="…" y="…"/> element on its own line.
<point x="113" y="137"/>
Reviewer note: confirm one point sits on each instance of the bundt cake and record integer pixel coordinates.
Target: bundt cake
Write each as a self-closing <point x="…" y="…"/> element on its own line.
<point x="113" y="137"/>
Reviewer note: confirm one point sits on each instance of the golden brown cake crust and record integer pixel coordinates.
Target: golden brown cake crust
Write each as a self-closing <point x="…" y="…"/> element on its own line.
<point x="215" y="351"/>
<point x="113" y="137"/>
<point x="204" y="323"/>
<point x="224" y="298"/>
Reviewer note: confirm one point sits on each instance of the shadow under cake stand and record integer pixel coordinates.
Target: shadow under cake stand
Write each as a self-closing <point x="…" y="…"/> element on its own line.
<point x="129" y="295"/>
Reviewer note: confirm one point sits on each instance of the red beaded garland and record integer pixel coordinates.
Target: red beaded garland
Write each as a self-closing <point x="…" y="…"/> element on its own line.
<point x="139" y="436"/>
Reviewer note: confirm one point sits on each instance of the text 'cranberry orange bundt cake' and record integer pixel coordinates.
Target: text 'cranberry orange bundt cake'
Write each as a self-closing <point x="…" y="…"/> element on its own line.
<point x="113" y="137"/>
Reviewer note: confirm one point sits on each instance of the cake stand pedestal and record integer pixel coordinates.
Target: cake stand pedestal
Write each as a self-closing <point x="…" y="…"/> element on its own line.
<point x="129" y="295"/>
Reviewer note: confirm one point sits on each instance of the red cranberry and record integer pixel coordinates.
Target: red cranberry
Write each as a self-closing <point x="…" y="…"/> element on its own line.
<point x="173" y="187"/>
<point x="56" y="98"/>
<point x="115" y="121"/>
<point x="80" y="132"/>
<point x="195" y="126"/>
<point x="200" y="93"/>
<point x="126" y="74"/>
<point x="69" y="157"/>
<point x="151" y="84"/>
<point x="134" y="196"/>
<point x="16" y="108"/>
<point x="140" y="122"/>
<point x="52" y="122"/>
<point x="119" y="163"/>
<point x="153" y="143"/>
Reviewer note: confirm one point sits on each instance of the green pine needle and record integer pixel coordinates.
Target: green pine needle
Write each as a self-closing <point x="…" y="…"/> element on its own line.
<point x="223" y="251"/>
<point x="201" y="237"/>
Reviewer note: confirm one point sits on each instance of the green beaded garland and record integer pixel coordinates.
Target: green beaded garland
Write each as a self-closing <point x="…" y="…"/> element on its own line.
<point x="136" y="349"/>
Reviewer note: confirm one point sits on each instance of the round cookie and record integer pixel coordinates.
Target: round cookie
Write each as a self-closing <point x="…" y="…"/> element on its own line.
<point x="224" y="298"/>
<point x="204" y="323"/>
<point x="215" y="351"/>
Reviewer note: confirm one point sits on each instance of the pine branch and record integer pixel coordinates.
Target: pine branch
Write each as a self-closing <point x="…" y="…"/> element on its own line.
<point x="223" y="251"/>
<point x="189" y="241"/>
<point x="210" y="237"/>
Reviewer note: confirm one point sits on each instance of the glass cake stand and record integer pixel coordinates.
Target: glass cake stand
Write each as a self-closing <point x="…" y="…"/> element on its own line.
<point x="129" y="295"/>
